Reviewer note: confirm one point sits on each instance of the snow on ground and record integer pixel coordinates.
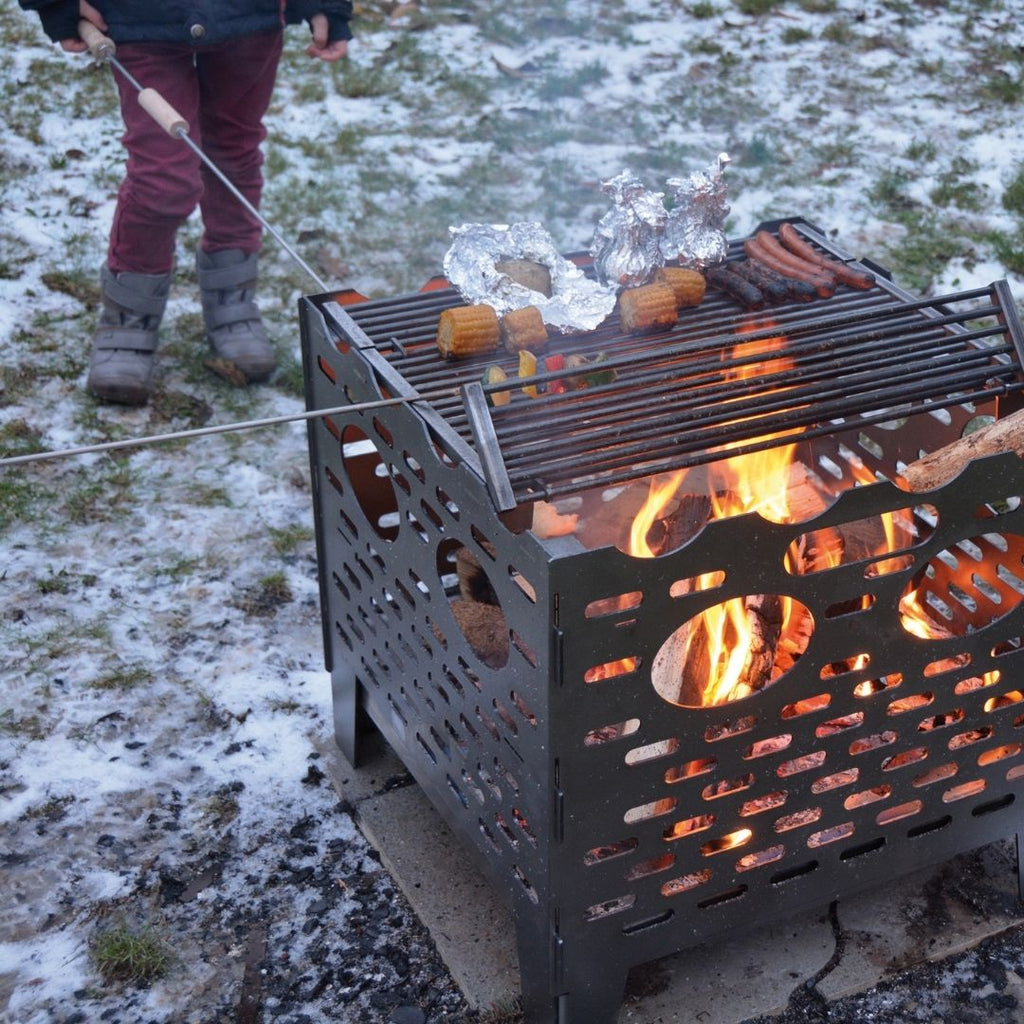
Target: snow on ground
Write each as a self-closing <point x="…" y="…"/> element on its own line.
<point x="162" y="694"/>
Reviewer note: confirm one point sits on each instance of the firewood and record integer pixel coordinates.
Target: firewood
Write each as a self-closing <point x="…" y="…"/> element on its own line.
<point x="940" y="466"/>
<point x="682" y="667"/>
<point x="549" y="522"/>
<point x="486" y="630"/>
<point x="474" y="584"/>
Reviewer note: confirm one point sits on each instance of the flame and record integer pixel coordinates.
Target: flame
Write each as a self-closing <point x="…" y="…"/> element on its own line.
<point x="915" y="619"/>
<point x="754" y="482"/>
<point x="659" y="494"/>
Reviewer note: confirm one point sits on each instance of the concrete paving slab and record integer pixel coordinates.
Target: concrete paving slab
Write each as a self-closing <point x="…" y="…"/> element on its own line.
<point x="468" y="921"/>
<point x="728" y="981"/>
<point x="926" y="916"/>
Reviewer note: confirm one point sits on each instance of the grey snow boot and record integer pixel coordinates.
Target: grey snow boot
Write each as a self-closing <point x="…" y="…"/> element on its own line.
<point x="227" y="280"/>
<point x="121" y="364"/>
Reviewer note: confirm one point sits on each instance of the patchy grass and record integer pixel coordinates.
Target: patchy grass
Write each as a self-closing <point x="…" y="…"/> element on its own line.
<point x="124" y="954"/>
<point x="756" y="8"/>
<point x="52" y="810"/>
<point x="79" y="284"/>
<point x="287" y="539"/>
<point x="28" y="727"/>
<point x="99" y="495"/>
<point x="222" y="808"/>
<point x="59" y="582"/>
<point x="123" y="677"/>
<point x="18" y="437"/>
<point x="290" y="377"/>
<point x="265" y="596"/>
<point x="505" y="1011"/>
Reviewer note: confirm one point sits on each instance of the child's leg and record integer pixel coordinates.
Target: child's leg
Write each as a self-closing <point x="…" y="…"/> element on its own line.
<point x="236" y="80"/>
<point x="162" y="183"/>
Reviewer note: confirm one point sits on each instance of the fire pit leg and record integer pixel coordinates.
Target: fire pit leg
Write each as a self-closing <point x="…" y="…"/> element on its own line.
<point x="347" y="712"/>
<point x="594" y="994"/>
<point x="1020" y="866"/>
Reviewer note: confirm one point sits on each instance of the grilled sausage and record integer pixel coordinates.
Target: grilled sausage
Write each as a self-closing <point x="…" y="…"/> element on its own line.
<point x="773" y="288"/>
<point x="747" y="295"/>
<point x="799" y="246"/>
<point x="802" y="291"/>
<point x="765" y="248"/>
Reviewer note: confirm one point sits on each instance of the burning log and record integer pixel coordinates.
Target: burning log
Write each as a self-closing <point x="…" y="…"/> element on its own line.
<point x="942" y="465"/>
<point x="694" y="651"/>
<point x="473" y="582"/>
<point x="486" y="630"/>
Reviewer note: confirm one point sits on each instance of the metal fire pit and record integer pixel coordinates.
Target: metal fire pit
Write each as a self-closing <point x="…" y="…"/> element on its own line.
<point x="623" y="826"/>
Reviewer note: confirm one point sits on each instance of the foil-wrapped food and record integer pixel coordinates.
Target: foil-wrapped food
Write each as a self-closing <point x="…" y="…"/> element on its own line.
<point x="511" y="266"/>
<point x="694" y="233"/>
<point x="627" y="247"/>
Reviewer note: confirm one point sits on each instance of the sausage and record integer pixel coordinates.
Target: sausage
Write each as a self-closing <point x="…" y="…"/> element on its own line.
<point x="773" y="288"/>
<point x="765" y="248"/>
<point x="773" y="247"/>
<point x="747" y="295"/>
<point x="802" y="291"/>
<point x="793" y="287"/>
<point x="799" y="246"/>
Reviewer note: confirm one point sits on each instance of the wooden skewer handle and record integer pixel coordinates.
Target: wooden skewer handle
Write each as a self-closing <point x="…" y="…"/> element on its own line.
<point x="162" y="112"/>
<point x="100" y="46"/>
<point x="938" y="467"/>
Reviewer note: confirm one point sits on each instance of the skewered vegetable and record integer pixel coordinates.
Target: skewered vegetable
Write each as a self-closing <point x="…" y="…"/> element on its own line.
<point x="555" y="363"/>
<point x="496" y="375"/>
<point x="528" y="368"/>
<point x="593" y="373"/>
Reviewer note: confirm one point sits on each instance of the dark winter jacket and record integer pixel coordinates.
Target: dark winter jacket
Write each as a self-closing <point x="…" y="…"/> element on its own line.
<point x="190" y="21"/>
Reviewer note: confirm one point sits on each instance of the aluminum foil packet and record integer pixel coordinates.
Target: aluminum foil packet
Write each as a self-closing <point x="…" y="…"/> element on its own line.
<point x="576" y="302"/>
<point x="694" y="234"/>
<point x="627" y="242"/>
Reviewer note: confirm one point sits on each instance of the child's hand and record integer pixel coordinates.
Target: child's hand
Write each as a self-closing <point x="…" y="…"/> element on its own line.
<point x="89" y="13"/>
<point x="320" y="48"/>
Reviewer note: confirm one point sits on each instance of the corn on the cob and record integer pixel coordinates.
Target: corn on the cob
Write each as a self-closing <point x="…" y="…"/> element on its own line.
<point x="467" y="331"/>
<point x="687" y="285"/>
<point x="523" y="328"/>
<point x="647" y="308"/>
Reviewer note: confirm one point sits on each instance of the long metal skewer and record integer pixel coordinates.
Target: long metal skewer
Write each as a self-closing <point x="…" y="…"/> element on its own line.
<point x="223" y="428"/>
<point x="104" y="49"/>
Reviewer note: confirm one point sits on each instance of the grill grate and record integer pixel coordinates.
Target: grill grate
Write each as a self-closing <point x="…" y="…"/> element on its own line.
<point x="680" y="395"/>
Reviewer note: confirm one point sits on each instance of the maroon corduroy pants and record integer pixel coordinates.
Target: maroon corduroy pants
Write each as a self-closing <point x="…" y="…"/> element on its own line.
<point x="223" y="91"/>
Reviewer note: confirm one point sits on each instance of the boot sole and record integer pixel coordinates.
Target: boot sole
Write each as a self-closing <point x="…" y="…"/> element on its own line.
<point x="118" y="395"/>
